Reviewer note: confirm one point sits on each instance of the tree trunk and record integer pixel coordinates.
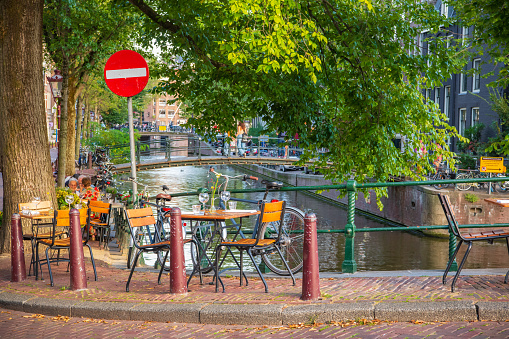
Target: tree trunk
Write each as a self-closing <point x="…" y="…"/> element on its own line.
<point x="85" y="120"/>
<point x="24" y="147"/>
<point x="70" y="167"/>
<point x="78" y="127"/>
<point x="62" y="137"/>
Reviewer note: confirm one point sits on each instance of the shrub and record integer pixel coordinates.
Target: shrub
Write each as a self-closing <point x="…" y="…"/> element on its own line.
<point x="470" y="197"/>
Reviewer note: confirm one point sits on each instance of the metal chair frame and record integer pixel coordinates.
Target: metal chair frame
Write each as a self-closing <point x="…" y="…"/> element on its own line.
<point x="101" y="223"/>
<point x="270" y="212"/>
<point x="143" y="217"/>
<point x="61" y="219"/>
<point x="469" y="239"/>
<point x="36" y="225"/>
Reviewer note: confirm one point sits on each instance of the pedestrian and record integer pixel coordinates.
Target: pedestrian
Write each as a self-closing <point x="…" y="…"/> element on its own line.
<point x="241" y="144"/>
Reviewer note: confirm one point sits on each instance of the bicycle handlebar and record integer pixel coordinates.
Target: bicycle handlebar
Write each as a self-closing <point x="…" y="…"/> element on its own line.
<point x="243" y="177"/>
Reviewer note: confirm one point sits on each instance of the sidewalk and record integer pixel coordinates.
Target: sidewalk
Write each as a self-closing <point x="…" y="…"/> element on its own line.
<point x="389" y="296"/>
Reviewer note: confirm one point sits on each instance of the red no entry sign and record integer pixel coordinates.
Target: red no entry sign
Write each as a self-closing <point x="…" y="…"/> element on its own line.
<point x="126" y="73"/>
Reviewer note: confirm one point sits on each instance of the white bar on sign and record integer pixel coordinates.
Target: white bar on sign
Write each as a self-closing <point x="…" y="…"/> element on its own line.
<point x="126" y="73"/>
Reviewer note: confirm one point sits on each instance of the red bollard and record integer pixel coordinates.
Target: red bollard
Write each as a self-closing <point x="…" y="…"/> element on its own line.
<point x="78" y="273"/>
<point x="310" y="270"/>
<point x="89" y="160"/>
<point x="177" y="262"/>
<point x="18" y="269"/>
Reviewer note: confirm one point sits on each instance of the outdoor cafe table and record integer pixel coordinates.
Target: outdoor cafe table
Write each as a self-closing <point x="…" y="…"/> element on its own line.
<point x="216" y="217"/>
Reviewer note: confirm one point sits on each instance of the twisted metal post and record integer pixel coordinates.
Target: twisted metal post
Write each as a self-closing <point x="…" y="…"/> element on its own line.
<point x="349" y="265"/>
<point x="452" y="249"/>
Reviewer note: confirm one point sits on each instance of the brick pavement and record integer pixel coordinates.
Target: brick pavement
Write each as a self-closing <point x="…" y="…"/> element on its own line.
<point x="144" y="287"/>
<point x="28" y="325"/>
<point x="338" y="290"/>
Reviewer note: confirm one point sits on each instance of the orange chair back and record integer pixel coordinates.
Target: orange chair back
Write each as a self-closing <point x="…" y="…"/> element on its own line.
<point x="99" y="207"/>
<point x="63" y="217"/>
<point x="272" y="211"/>
<point x="140" y="217"/>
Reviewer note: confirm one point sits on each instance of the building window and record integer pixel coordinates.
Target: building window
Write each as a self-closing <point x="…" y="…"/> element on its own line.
<point x="421" y="43"/>
<point x="448" y="41"/>
<point x="444" y="9"/>
<point x="463" y="121"/>
<point x="437" y="96"/>
<point x="162" y="102"/>
<point x="447" y="101"/>
<point x="463" y="81"/>
<point x="465" y="35"/>
<point x="162" y="112"/>
<point x="475" y="116"/>
<point x="171" y="113"/>
<point x="429" y="55"/>
<point x="429" y="93"/>
<point x="476" y="83"/>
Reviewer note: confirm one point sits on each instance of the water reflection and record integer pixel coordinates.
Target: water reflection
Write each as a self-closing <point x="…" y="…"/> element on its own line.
<point x="374" y="251"/>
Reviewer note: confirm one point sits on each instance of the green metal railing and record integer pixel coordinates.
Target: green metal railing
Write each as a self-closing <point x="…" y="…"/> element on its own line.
<point x="349" y="264"/>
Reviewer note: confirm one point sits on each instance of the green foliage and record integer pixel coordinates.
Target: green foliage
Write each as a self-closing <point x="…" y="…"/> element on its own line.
<point x="111" y="190"/>
<point x="338" y="73"/>
<point x="466" y="161"/>
<point x="61" y="194"/>
<point x="473" y="143"/>
<point x="105" y="137"/>
<point x="472" y="198"/>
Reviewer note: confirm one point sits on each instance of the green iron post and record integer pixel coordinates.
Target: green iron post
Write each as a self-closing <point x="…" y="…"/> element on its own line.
<point x="452" y="249"/>
<point x="349" y="265"/>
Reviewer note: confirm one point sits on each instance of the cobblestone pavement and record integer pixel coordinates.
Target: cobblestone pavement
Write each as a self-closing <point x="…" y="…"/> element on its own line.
<point x="110" y="287"/>
<point x="23" y="325"/>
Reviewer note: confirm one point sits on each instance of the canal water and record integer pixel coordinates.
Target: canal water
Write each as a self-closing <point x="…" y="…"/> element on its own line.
<point x="374" y="251"/>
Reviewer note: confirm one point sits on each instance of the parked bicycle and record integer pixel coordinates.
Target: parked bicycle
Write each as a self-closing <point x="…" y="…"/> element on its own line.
<point x="500" y="186"/>
<point x="291" y="241"/>
<point x="443" y="172"/>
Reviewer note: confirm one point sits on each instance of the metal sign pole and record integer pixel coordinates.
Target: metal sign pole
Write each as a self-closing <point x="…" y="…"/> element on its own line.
<point x="131" y="144"/>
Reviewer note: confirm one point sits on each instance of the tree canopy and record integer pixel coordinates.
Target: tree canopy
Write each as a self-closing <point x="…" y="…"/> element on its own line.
<point x="337" y="72"/>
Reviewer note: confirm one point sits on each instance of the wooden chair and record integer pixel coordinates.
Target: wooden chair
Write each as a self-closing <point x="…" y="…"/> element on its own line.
<point x="270" y="212"/>
<point x="61" y="220"/>
<point x="40" y="230"/>
<point x="100" y="220"/>
<point x="468" y="238"/>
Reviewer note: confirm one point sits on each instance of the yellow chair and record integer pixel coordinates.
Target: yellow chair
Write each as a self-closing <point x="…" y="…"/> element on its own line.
<point x="101" y="212"/>
<point x="61" y="220"/>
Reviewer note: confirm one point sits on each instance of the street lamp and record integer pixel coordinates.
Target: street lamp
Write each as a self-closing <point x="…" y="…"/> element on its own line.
<point x="55" y="83"/>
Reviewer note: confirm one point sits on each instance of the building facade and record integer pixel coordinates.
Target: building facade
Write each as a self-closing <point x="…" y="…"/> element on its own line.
<point x="162" y="114"/>
<point x="464" y="98"/>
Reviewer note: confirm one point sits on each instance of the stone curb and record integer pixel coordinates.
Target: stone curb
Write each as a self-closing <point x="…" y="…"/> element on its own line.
<point x="259" y="314"/>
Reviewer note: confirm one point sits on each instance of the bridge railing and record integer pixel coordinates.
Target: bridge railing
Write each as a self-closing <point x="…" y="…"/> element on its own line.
<point x="349" y="264"/>
<point x="195" y="145"/>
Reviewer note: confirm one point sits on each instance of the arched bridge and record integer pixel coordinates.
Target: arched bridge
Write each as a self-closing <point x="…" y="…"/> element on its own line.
<point x="192" y="150"/>
<point x="206" y="161"/>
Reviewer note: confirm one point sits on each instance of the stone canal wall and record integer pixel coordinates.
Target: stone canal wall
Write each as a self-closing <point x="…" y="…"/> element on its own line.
<point x="411" y="205"/>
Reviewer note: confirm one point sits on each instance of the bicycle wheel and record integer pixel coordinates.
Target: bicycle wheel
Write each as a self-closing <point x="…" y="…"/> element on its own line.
<point x="463" y="186"/>
<point x="209" y="238"/>
<point x="292" y="242"/>
<point x="501" y="186"/>
<point x="440" y="176"/>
